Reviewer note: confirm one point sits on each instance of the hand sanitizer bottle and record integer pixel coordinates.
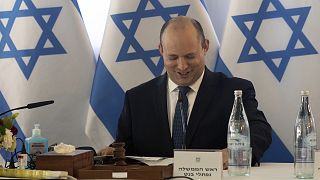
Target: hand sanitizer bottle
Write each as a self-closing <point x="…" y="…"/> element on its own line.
<point x="36" y="144"/>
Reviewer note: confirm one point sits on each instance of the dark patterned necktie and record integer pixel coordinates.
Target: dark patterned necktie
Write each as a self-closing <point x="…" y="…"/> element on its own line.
<point x="179" y="127"/>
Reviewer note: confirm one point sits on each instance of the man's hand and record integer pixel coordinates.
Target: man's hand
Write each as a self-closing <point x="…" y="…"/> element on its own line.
<point x="225" y="157"/>
<point x="106" y="151"/>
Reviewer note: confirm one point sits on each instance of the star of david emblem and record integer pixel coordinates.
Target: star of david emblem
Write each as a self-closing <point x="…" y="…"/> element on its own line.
<point x="45" y="18"/>
<point x="129" y="32"/>
<point x="291" y="50"/>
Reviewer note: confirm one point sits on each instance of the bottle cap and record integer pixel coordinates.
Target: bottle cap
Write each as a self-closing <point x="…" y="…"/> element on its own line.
<point x="36" y="131"/>
<point x="237" y="92"/>
<point x="304" y="93"/>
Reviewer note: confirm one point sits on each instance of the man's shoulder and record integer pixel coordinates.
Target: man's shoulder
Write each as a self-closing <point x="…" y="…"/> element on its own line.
<point x="224" y="79"/>
<point x="149" y="86"/>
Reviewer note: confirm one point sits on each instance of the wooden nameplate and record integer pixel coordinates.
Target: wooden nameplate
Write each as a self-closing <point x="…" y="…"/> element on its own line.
<point x="70" y="162"/>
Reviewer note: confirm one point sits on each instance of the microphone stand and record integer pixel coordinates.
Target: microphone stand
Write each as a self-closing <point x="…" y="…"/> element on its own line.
<point x="13" y="110"/>
<point x="30" y="106"/>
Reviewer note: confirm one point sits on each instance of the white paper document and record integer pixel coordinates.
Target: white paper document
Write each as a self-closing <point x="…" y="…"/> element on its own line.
<point x="153" y="161"/>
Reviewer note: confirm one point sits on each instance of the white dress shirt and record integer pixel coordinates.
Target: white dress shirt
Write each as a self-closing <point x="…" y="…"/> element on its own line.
<point x="172" y="97"/>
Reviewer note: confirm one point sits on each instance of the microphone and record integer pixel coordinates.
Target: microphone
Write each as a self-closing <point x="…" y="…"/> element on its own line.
<point x="39" y="104"/>
<point x="30" y="106"/>
<point x="183" y="121"/>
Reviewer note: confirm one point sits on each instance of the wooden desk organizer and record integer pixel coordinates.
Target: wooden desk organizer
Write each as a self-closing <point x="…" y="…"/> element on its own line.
<point x="70" y="162"/>
<point x="131" y="171"/>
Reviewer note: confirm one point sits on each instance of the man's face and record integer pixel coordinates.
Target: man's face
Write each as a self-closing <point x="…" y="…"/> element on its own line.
<point x="183" y="54"/>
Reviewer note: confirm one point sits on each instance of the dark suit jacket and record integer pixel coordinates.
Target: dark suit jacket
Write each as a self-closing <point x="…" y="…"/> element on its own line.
<point x="144" y="127"/>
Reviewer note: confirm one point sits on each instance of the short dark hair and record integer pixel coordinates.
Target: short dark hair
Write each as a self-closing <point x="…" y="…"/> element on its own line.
<point x="195" y="24"/>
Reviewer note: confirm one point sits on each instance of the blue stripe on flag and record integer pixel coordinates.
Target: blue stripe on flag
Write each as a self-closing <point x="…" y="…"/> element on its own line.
<point x="107" y="108"/>
<point x="221" y="67"/>
<point x="277" y="152"/>
<point x="204" y="4"/>
<point x="75" y="2"/>
<point x="4" y="107"/>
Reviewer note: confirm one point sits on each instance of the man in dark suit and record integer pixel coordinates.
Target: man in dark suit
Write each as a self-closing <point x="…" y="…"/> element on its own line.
<point x="146" y="123"/>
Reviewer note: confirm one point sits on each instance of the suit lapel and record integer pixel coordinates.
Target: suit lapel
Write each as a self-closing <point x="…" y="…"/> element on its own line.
<point x="206" y="94"/>
<point x="161" y="105"/>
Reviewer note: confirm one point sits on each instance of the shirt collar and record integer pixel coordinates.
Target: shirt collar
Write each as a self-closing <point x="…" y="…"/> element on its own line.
<point x="195" y="86"/>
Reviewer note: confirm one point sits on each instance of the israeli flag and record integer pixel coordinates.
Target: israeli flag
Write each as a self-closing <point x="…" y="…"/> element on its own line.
<point x="45" y="54"/>
<point x="276" y="45"/>
<point x="129" y="56"/>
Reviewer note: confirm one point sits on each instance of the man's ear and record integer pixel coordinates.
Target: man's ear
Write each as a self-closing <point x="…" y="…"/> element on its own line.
<point x="161" y="49"/>
<point x="205" y="45"/>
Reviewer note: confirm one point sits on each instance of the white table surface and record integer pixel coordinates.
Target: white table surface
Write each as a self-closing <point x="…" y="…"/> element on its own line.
<point x="267" y="171"/>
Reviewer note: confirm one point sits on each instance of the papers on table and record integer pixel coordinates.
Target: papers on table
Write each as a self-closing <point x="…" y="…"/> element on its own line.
<point x="153" y="161"/>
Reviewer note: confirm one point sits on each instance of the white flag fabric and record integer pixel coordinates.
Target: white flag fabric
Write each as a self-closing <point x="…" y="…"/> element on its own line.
<point x="129" y="56"/>
<point x="275" y="44"/>
<point x="45" y="54"/>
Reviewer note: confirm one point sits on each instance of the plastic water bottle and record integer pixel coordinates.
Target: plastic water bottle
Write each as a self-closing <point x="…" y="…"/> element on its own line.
<point x="305" y="141"/>
<point x="36" y="144"/>
<point x="239" y="139"/>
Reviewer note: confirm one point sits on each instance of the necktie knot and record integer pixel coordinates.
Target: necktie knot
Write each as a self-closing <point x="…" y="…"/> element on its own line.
<point x="184" y="90"/>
